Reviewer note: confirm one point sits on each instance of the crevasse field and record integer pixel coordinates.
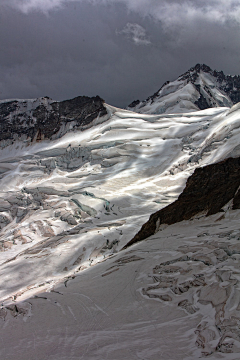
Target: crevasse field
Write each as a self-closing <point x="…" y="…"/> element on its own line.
<point x="69" y="292"/>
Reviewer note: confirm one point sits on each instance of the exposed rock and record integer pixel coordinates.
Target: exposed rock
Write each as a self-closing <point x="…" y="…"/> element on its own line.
<point x="201" y="102"/>
<point x="4" y="220"/>
<point x="134" y="103"/>
<point x="207" y="191"/>
<point x="46" y="117"/>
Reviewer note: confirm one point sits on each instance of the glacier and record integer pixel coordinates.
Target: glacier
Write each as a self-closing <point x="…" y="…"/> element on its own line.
<point x="69" y="204"/>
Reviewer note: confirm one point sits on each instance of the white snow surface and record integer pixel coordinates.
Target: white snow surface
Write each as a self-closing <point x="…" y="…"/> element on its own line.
<point x="179" y="96"/>
<point x="173" y="296"/>
<point x="69" y="205"/>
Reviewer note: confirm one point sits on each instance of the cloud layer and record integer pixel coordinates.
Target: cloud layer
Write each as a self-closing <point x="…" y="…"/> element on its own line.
<point x="119" y="49"/>
<point x="170" y="12"/>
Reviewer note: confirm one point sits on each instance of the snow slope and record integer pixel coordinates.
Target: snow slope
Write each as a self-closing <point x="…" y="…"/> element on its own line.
<point x="173" y="296"/>
<point x="67" y="204"/>
<point x="197" y="89"/>
<point x="73" y="202"/>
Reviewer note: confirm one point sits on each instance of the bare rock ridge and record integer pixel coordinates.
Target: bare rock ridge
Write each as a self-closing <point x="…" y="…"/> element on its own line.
<point x="44" y="118"/>
<point x="207" y="191"/>
<point x="199" y="88"/>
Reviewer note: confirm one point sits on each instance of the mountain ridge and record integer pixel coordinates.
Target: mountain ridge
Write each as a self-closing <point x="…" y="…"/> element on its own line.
<point x="210" y="88"/>
<point x="44" y="118"/>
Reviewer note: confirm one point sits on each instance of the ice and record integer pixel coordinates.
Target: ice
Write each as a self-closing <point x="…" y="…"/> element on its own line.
<point x="130" y="305"/>
<point x="131" y="164"/>
<point x="69" y="205"/>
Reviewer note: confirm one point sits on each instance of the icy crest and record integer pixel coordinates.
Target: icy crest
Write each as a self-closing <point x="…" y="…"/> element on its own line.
<point x="197" y="89"/>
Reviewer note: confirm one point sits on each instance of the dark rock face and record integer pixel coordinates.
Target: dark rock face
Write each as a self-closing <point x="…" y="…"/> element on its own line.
<point x="134" y="103"/>
<point x="46" y="117"/>
<point x="201" y="102"/>
<point x="207" y="190"/>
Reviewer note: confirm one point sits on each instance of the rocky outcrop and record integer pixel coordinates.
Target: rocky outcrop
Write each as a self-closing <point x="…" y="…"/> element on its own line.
<point x="43" y="118"/>
<point x="134" y="103"/>
<point x="207" y="191"/>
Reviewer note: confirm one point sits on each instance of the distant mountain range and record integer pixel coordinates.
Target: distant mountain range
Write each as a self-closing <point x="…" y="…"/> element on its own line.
<point x="197" y="89"/>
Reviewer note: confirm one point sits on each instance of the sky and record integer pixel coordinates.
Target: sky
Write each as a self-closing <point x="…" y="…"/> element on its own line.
<point x="121" y="50"/>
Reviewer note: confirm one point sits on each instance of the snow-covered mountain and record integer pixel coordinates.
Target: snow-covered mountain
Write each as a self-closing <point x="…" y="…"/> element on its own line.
<point x="197" y="89"/>
<point x="78" y="181"/>
<point x="44" y="118"/>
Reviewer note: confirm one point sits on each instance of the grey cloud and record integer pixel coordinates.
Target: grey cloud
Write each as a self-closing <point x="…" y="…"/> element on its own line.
<point x="27" y="6"/>
<point x="170" y="12"/>
<point x="75" y="49"/>
<point x="136" y="33"/>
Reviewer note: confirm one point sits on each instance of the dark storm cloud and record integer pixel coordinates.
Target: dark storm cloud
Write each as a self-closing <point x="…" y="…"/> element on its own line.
<point x="119" y="49"/>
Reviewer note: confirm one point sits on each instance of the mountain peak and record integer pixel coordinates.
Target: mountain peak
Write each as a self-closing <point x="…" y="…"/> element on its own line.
<point x="195" y="71"/>
<point x="198" y="67"/>
<point x="198" y="88"/>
